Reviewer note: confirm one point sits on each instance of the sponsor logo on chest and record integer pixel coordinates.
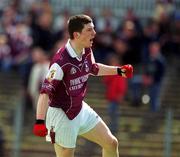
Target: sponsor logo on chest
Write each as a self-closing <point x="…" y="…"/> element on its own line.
<point x="73" y="71"/>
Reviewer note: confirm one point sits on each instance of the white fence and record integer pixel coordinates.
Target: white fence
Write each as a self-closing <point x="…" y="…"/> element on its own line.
<point x="143" y="8"/>
<point x="118" y="6"/>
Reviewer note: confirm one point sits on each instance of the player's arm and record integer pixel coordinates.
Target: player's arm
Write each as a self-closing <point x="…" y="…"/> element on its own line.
<point x="106" y="69"/>
<point x="124" y="71"/>
<point x="42" y="106"/>
<point x="102" y="69"/>
<point x="55" y="74"/>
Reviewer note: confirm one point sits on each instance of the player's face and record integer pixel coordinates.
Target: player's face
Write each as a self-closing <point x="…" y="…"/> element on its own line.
<point x="87" y="35"/>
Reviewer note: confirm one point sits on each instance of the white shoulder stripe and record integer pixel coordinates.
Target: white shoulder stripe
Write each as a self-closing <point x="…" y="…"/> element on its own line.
<point x="55" y="72"/>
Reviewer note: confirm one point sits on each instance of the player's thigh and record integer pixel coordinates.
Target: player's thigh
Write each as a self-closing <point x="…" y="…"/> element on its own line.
<point x="101" y="135"/>
<point x="63" y="152"/>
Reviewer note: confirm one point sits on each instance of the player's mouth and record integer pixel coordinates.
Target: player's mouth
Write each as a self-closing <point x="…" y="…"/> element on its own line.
<point x="91" y="40"/>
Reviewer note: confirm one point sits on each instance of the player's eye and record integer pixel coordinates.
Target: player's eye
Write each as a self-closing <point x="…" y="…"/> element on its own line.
<point x="90" y="29"/>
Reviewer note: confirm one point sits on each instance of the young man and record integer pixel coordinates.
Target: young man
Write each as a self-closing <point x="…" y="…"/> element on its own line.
<point x="63" y="91"/>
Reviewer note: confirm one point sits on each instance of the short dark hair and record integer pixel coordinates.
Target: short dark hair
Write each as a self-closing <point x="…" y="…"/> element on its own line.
<point x="76" y="23"/>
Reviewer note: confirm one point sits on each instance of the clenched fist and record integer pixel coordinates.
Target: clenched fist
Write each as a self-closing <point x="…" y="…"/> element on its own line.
<point x="125" y="71"/>
<point x="40" y="129"/>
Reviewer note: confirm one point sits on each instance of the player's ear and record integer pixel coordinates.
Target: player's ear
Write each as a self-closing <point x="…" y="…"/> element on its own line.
<point x="76" y="34"/>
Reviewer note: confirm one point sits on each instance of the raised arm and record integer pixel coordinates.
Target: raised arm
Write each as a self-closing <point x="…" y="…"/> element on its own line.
<point x="124" y="71"/>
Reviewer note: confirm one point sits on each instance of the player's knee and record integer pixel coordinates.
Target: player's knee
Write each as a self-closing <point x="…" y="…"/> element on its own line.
<point x="64" y="152"/>
<point x="115" y="143"/>
<point x="112" y="144"/>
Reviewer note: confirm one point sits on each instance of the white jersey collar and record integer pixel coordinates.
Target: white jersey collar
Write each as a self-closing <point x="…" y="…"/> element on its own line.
<point x="71" y="51"/>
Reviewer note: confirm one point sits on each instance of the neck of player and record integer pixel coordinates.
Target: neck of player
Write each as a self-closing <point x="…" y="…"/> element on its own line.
<point x="77" y="47"/>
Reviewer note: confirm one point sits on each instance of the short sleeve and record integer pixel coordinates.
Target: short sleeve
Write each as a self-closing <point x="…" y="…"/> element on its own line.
<point x="53" y="77"/>
<point x="55" y="72"/>
<point x="95" y="67"/>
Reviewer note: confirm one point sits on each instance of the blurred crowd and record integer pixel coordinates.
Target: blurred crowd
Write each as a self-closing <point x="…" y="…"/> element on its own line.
<point x="29" y="39"/>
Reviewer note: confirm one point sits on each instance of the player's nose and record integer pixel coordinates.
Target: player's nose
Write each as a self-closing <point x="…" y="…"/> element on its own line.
<point x="94" y="32"/>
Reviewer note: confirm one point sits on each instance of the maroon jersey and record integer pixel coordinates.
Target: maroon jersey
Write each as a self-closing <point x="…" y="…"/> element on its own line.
<point x="66" y="81"/>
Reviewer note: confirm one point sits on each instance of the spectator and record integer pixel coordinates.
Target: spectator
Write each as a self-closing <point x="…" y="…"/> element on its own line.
<point x="41" y="32"/>
<point x="151" y="32"/>
<point x="130" y="15"/>
<point x="38" y="73"/>
<point x="116" y="88"/>
<point x="154" y="74"/>
<point x="120" y="46"/>
<point x="129" y="34"/>
<point x="20" y="42"/>
<point x="105" y="24"/>
<point x="5" y="57"/>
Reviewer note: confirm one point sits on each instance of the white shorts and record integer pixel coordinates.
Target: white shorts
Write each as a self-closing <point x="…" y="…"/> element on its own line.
<point x="66" y="131"/>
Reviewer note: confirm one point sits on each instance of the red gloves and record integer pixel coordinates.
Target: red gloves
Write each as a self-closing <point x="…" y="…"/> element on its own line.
<point x="39" y="128"/>
<point x="125" y="71"/>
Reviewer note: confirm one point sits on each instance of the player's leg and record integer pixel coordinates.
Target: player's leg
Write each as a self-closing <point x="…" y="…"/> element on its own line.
<point x="65" y="132"/>
<point x="63" y="152"/>
<point x="101" y="135"/>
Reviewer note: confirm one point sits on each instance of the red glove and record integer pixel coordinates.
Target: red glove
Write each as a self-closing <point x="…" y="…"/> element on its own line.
<point x="39" y="128"/>
<point x="125" y="71"/>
